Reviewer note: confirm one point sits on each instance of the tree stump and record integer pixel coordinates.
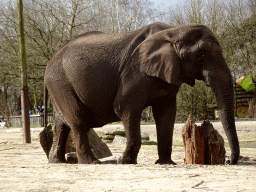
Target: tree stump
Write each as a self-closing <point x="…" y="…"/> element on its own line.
<point x="203" y="144"/>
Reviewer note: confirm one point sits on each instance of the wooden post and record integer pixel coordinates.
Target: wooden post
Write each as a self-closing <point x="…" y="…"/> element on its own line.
<point x="24" y="89"/>
<point x="25" y="115"/>
<point x="203" y="144"/>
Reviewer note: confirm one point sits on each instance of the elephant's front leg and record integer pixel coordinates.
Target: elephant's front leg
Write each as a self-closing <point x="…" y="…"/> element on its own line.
<point x="129" y="111"/>
<point x="164" y="113"/>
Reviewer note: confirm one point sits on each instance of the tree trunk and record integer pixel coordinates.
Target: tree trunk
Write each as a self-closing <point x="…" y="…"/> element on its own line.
<point x="203" y="144"/>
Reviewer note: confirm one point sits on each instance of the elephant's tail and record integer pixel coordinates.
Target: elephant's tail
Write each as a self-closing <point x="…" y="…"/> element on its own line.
<point x="45" y="105"/>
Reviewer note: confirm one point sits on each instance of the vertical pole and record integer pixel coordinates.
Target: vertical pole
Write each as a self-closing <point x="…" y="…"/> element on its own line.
<point x="25" y="115"/>
<point x="24" y="89"/>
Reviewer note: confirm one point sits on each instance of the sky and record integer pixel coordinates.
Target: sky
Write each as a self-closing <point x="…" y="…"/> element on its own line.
<point x="166" y="2"/>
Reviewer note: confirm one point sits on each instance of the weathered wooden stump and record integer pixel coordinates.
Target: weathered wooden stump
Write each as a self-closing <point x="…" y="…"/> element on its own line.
<point x="203" y="144"/>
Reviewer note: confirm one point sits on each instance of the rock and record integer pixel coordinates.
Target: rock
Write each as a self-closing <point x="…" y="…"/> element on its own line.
<point x="109" y="160"/>
<point x="117" y="133"/>
<point x="113" y="131"/>
<point x="108" y="137"/>
<point x="99" y="148"/>
<point x="144" y="136"/>
<point x="71" y="157"/>
<point x="119" y="140"/>
<point x="70" y="144"/>
<point x="203" y="144"/>
<point x="108" y="134"/>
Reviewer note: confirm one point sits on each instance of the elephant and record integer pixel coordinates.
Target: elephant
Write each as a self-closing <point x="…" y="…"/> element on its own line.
<point x="97" y="78"/>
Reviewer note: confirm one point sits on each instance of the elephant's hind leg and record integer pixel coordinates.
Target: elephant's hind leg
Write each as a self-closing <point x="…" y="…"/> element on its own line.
<point x="60" y="135"/>
<point x="83" y="149"/>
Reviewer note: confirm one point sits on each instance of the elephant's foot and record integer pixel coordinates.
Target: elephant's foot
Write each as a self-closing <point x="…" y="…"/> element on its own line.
<point x="87" y="159"/>
<point x="233" y="160"/>
<point x="165" y="161"/>
<point x="57" y="160"/>
<point x="97" y="162"/>
<point x="54" y="157"/>
<point x="126" y="160"/>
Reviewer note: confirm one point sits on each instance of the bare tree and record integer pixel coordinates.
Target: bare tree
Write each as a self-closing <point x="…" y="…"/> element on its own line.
<point x="190" y="11"/>
<point x="117" y="16"/>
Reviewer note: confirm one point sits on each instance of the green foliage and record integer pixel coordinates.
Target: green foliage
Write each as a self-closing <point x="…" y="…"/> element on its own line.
<point x="195" y="100"/>
<point x="149" y="143"/>
<point x="239" y="47"/>
<point x="246" y="84"/>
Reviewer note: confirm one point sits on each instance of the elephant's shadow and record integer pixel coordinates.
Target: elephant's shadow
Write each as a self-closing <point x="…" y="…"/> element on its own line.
<point x="246" y="161"/>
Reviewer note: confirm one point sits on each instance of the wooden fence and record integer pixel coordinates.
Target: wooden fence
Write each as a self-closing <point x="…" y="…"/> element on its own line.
<point x="16" y="121"/>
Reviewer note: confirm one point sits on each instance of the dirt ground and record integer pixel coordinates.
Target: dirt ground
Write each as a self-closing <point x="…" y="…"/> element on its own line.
<point x="24" y="167"/>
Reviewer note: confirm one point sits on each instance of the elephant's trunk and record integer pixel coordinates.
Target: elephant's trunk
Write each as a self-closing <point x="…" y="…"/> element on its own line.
<point x="226" y="112"/>
<point x="221" y="83"/>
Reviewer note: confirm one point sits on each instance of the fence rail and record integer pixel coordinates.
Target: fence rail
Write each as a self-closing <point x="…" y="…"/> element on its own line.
<point x="16" y="121"/>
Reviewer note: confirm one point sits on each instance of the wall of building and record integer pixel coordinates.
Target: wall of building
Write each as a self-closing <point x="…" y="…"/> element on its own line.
<point x="242" y="111"/>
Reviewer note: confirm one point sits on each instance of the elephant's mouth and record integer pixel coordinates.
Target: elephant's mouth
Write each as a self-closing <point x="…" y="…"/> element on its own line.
<point x="188" y="80"/>
<point x="206" y="78"/>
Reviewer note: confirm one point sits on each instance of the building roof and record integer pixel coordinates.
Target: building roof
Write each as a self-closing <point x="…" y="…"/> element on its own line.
<point x="247" y="83"/>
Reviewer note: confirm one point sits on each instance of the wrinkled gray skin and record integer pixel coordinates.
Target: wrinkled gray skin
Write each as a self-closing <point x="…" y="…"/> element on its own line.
<point x="98" y="78"/>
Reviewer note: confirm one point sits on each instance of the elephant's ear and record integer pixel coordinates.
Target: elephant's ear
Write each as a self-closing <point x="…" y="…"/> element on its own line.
<point x="158" y="58"/>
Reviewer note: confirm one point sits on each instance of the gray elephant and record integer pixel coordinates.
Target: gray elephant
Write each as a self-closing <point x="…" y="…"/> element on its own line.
<point x="98" y="78"/>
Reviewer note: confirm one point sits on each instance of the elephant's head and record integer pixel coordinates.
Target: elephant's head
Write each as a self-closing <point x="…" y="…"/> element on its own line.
<point x="182" y="54"/>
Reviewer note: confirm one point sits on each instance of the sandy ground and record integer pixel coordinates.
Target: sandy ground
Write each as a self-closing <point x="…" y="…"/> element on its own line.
<point x="24" y="167"/>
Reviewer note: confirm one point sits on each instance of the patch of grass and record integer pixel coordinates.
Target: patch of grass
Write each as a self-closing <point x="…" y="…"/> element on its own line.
<point x="149" y="143"/>
<point x="147" y="122"/>
<point x="35" y="126"/>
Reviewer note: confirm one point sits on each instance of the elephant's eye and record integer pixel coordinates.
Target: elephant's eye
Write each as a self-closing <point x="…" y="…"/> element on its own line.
<point x="201" y="55"/>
